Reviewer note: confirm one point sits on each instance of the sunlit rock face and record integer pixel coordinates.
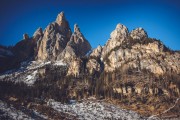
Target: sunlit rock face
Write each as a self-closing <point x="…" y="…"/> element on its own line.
<point x="75" y="67"/>
<point x="116" y="38"/>
<point x="59" y="43"/>
<point x="93" y="66"/>
<point x="97" y="52"/>
<point x="55" y="38"/>
<point x="138" y="33"/>
<point x="136" y="50"/>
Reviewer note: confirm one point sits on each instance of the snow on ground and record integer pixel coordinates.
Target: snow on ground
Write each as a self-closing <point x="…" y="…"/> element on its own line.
<point x="40" y="115"/>
<point x="27" y="72"/>
<point x="59" y="63"/>
<point x="12" y="112"/>
<point x="30" y="79"/>
<point x="94" y="110"/>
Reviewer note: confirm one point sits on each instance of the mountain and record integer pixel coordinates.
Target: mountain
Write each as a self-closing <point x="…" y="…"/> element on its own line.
<point x="59" y="43"/>
<point x="57" y="66"/>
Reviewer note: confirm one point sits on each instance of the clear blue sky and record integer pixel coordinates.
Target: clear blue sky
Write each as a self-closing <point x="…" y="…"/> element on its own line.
<point x="96" y="18"/>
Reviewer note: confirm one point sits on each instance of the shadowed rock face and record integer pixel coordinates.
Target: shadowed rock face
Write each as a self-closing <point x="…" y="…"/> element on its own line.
<point x="38" y="34"/>
<point x="78" y="46"/>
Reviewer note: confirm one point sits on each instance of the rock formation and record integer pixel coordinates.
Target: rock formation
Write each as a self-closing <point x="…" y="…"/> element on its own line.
<point x="25" y="36"/>
<point x="139" y="33"/>
<point x="56" y="36"/>
<point x="137" y="51"/>
<point x="59" y="43"/>
<point x="97" y="52"/>
<point x="75" y="67"/>
<point x="38" y="34"/>
<point x="116" y="38"/>
<point x="130" y="68"/>
<point x="93" y="66"/>
<point x="78" y="46"/>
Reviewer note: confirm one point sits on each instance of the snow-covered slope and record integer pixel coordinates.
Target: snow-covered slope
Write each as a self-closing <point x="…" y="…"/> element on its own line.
<point x="11" y="112"/>
<point x="8" y="112"/>
<point x="94" y="110"/>
<point x="28" y="71"/>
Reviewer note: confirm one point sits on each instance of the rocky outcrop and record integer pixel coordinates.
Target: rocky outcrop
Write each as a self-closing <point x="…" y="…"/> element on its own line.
<point x="59" y="43"/>
<point x="139" y="33"/>
<point x="78" y="46"/>
<point x="97" y="52"/>
<point x="116" y="39"/>
<point x="24" y="49"/>
<point x="56" y="36"/>
<point x="137" y="51"/>
<point x="64" y="25"/>
<point x="93" y="66"/>
<point x="38" y="34"/>
<point x="37" y="37"/>
<point x="25" y="36"/>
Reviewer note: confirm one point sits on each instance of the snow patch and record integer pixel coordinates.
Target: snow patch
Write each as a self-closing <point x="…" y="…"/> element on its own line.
<point x="30" y="79"/>
<point x="59" y="63"/>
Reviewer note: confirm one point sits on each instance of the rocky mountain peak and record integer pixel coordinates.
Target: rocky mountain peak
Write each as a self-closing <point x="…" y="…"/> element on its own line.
<point x="78" y="46"/>
<point x="76" y="29"/>
<point x="121" y="32"/>
<point x="117" y="36"/>
<point x="60" y="18"/>
<point x="39" y="31"/>
<point x="97" y="52"/>
<point x="55" y="38"/>
<point x="63" y="25"/>
<point x="138" y="33"/>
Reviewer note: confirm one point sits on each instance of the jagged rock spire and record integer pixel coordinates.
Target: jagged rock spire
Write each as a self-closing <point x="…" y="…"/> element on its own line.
<point x="55" y="38"/>
<point x="121" y="31"/>
<point x="76" y="28"/>
<point x="63" y="24"/>
<point x="39" y="31"/>
<point x="60" y="18"/>
<point x="116" y="38"/>
<point x="78" y="46"/>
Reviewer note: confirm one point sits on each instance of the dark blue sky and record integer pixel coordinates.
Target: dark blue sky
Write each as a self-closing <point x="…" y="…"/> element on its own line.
<point x="96" y="18"/>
